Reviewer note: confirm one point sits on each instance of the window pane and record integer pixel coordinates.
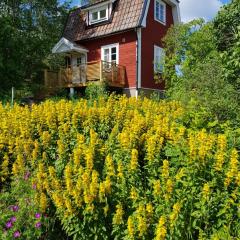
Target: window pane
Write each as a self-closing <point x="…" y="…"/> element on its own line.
<point x="106" y="55"/>
<point x="114" y="57"/>
<point x="157" y="10"/>
<point x="95" y="16"/>
<point x="114" y="50"/>
<point x="79" y="61"/>
<point x="158" y="59"/>
<point x="103" y="13"/>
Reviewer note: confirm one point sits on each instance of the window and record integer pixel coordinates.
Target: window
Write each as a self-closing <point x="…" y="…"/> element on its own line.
<point x="110" y="53"/>
<point x="160" y="11"/>
<point x="98" y="15"/>
<point x="79" y="61"/>
<point x="158" y="59"/>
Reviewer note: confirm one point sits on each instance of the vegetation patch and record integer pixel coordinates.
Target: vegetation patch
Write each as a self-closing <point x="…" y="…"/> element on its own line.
<point x="116" y="168"/>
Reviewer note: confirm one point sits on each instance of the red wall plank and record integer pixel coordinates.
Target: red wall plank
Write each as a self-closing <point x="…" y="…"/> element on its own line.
<point x="152" y="35"/>
<point x="127" y="52"/>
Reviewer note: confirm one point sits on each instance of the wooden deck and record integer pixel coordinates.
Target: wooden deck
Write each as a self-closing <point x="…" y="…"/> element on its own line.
<point x="81" y="75"/>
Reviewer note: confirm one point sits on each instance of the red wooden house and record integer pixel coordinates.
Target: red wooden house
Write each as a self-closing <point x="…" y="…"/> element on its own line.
<point x="118" y="41"/>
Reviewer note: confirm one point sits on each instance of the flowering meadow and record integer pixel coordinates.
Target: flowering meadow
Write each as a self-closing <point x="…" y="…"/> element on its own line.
<point x="115" y="169"/>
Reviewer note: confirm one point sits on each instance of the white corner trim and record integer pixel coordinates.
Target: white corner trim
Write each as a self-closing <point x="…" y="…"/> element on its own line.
<point x="139" y="34"/>
<point x="176" y="14"/>
<point x="144" y="20"/>
<point x="65" y="46"/>
<point x="175" y="10"/>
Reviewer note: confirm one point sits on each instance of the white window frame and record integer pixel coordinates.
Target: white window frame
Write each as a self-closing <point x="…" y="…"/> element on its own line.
<point x="110" y="47"/>
<point x="155" y="11"/>
<point x="161" y="51"/>
<point x="98" y="10"/>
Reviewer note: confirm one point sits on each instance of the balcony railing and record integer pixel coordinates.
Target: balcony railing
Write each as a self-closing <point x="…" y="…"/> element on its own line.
<point x="80" y="75"/>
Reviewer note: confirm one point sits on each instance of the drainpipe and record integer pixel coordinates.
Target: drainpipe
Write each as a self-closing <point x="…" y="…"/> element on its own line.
<point x="137" y="63"/>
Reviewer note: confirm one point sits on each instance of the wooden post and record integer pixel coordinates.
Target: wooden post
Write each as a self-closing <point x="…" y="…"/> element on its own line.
<point x="60" y="77"/>
<point x="45" y="77"/>
<point x="13" y="96"/>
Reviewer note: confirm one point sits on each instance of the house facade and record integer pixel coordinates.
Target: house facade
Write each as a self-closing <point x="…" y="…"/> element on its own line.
<point x="121" y="34"/>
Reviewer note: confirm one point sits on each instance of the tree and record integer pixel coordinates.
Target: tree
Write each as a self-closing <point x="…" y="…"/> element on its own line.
<point x="29" y="29"/>
<point x="193" y="48"/>
<point x="227" y="37"/>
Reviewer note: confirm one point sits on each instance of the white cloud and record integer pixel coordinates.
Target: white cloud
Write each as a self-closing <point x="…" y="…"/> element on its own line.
<point x="191" y="9"/>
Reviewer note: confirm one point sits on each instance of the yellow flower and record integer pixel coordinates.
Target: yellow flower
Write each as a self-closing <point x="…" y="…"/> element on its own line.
<point x="134" y="160"/>
<point x="118" y="216"/>
<point x="233" y="168"/>
<point x="43" y="202"/>
<point x="4" y="168"/>
<point x="68" y="205"/>
<point x="46" y="138"/>
<point x="238" y="179"/>
<point x="206" y="191"/>
<point x="94" y="184"/>
<point x="169" y="186"/>
<point x="174" y="215"/>
<point x="77" y="153"/>
<point x="110" y="166"/>
<point x="149" y="209"/>
<point x="180" y="174"/>
<point x="130" y="227"/>
<point x="52" y="172"/>
<point x="142" y="225"/>
<point x="102" y="192"/>
<point x="161" y="230"/>
<point x="108" y="185"/>
<point x="165" y="169"/>
<point x="89" y="159"/>
<point x="156" y="188"/>
<point x="120" y="170"/>
<point x="57" y="199"/>
<point x="134" y="194"/>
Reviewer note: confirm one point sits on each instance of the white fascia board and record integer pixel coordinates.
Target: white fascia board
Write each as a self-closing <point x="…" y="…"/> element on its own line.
<point x="144" y="19"/>
<point x="69" y="47"/>
<point x="98" y="5"/>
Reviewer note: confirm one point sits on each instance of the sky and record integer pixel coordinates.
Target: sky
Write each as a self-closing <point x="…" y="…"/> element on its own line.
<point x="191" y="9"/>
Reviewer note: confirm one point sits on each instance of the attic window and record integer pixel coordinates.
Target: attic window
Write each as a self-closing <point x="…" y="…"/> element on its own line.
<point x="98" y="15"/>
<point x="160" y="11"/>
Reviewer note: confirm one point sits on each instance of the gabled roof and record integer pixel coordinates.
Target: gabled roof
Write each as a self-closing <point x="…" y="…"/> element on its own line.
<point x="126" y="15"/>
<point x="65" y="46"/>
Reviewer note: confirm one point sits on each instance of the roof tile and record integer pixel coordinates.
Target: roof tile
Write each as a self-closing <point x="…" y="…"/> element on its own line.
<point x="126" y="15"/>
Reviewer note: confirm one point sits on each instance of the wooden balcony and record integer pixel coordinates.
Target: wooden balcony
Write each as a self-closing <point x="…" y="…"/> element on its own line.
<point x="81" y="75"/>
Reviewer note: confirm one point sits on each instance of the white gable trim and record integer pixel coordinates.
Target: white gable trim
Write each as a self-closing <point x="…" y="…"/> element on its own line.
<point x="175" y="12"/>
<point x="66" y="46"/>
<point x="144" y="19"/>
<point x="91" y="7"/>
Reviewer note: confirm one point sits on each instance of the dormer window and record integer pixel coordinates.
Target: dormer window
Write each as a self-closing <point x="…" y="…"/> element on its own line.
<point x="98" y="15"/>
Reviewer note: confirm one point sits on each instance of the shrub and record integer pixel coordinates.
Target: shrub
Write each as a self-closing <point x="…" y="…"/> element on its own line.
<point x="124" y="169"/>
<point x="94" y="91"/>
